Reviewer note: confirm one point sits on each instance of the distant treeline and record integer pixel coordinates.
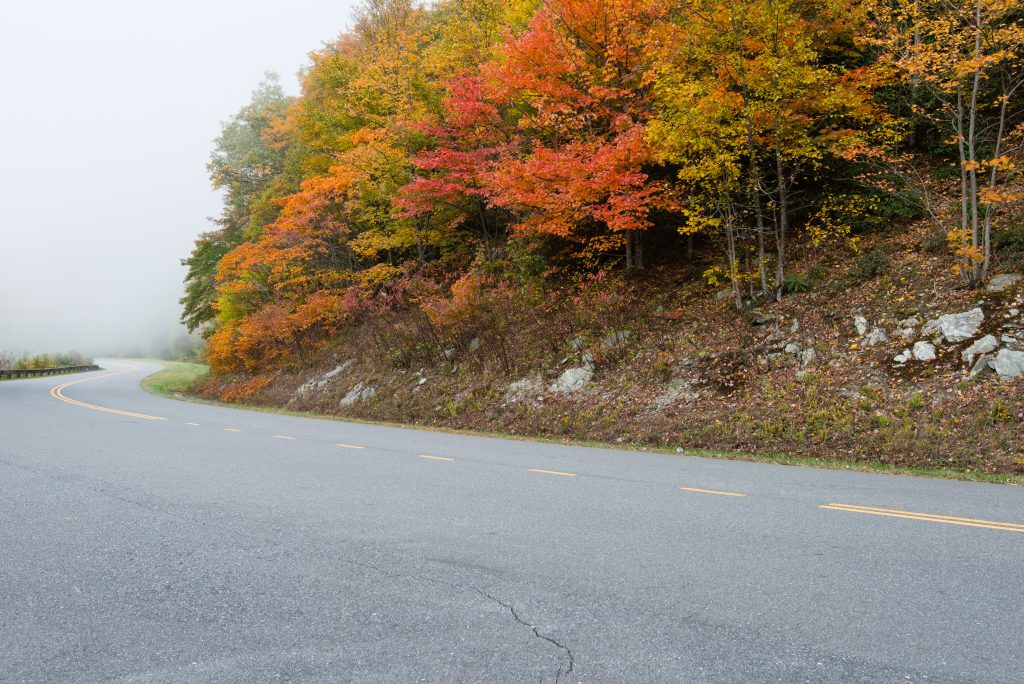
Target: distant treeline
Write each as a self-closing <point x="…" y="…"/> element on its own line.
<point x="25" y="360"/>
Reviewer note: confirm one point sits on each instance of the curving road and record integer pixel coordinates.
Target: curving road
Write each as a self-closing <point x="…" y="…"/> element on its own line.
<point x="147" y="540"/>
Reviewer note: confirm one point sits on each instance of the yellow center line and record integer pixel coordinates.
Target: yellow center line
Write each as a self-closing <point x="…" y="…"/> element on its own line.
<point x="350" y="446"/>
<point x="58" y="393"/>
<point x="926" y="517"/>
<point x="231" y="430"/>
<point x="436" y="458"/>
<point x="551" y="472"/>
<point x="283" y="437"/>
<point x="193" y="424"/>
<point x="710" y="491"/>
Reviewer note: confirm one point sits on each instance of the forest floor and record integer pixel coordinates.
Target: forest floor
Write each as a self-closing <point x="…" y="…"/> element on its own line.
<point x="672" y="365"/>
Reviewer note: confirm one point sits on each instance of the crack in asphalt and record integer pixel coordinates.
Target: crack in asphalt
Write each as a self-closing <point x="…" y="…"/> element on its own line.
<point x="536" y="633"/>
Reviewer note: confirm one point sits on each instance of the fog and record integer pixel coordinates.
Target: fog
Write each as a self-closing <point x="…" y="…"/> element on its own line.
<point x="108" y="114"/>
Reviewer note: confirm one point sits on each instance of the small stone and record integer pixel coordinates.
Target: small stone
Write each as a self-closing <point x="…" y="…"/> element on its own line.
<point x="924" y="351"/>
<point x="723" y="294"/>
<point x="474" y="344"/>
<point x="1014" y="312"/>
<point x="1007" y="339"/>
<point x="792" y="348"/>
<point x="876" y="336"/>
<point x="795" y="327"/>
<point x="807" y="357"/>
<point x="860" y="324"/>
<point x="903" y="356"/>
<point x="911" y="322"/>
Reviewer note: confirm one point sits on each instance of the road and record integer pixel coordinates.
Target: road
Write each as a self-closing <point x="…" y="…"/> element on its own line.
<point x="144" y="539"/>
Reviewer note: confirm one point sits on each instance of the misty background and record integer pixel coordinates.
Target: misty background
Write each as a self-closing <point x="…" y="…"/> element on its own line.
<point x="109" y="113"/>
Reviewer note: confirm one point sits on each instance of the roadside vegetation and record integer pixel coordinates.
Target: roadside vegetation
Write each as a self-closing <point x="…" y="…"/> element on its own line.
<point x="176" y="378"/>
<point x="772" y="227"/>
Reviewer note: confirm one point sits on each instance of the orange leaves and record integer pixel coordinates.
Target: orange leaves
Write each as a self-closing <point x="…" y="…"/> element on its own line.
<point x="596" y="181"/>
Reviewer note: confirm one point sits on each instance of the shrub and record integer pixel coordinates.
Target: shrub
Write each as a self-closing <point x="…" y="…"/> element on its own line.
<point x="871" y="265"/>
<point x="796" y="283"/>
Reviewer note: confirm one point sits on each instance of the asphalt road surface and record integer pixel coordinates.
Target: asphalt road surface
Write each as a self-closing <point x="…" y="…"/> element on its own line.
<point x="146" y="539"/>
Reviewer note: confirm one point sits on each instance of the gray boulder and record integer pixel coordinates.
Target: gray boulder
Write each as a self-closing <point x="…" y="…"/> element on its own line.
<point x="986" y="344"/>
<point x="860" y="324"/>
<point x="572" y="380"/>
<point x="956" y="327"/>
<point x="1002" y="281"/>
<point x="924" y="351"/>
<point x="1008" y="364"/>
<point x="983" y="364"/>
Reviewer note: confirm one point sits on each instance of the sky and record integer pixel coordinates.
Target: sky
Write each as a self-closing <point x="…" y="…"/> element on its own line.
<point x="108" y="110"/>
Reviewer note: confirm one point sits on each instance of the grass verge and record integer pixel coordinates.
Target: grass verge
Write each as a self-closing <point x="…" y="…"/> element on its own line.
<point x="174" y="383"/>
<point x="175" y="378"/>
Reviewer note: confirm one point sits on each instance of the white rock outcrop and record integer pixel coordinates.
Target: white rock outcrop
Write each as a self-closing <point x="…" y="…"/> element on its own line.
<point x="359" y="392"/>
<point x="572" y="380"/>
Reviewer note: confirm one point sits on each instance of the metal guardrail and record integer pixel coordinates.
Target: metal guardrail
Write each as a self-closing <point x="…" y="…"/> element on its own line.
<point x="12" y="373"/>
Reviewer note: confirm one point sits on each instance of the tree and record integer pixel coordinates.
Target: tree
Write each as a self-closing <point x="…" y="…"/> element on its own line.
<point x="965" y="59"/>
<point x="246" y="167"/>
<point x="747" y="106"/>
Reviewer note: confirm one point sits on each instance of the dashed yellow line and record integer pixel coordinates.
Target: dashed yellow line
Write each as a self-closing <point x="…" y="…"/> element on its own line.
<point x="926" y="517"/>
<point x="436" y="458"/>
<point x="350" y="446"/>
<point x="58" y="393"/>
<point x="710" y="491"/>
<point x="283" y="437"/>
<point x="551" y="472"/>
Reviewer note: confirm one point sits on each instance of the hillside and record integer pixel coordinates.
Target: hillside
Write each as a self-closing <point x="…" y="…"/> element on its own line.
<point x="775" y="227"/>
<point x="672" y="364"/>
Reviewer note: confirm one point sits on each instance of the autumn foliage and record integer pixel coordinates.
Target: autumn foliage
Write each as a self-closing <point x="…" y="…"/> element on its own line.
<point x="438" y="155"/>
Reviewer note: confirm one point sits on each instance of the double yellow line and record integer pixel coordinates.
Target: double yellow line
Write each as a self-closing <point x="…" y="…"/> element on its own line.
<point x="927" y="517"/>
<point x="58" y="393"/>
